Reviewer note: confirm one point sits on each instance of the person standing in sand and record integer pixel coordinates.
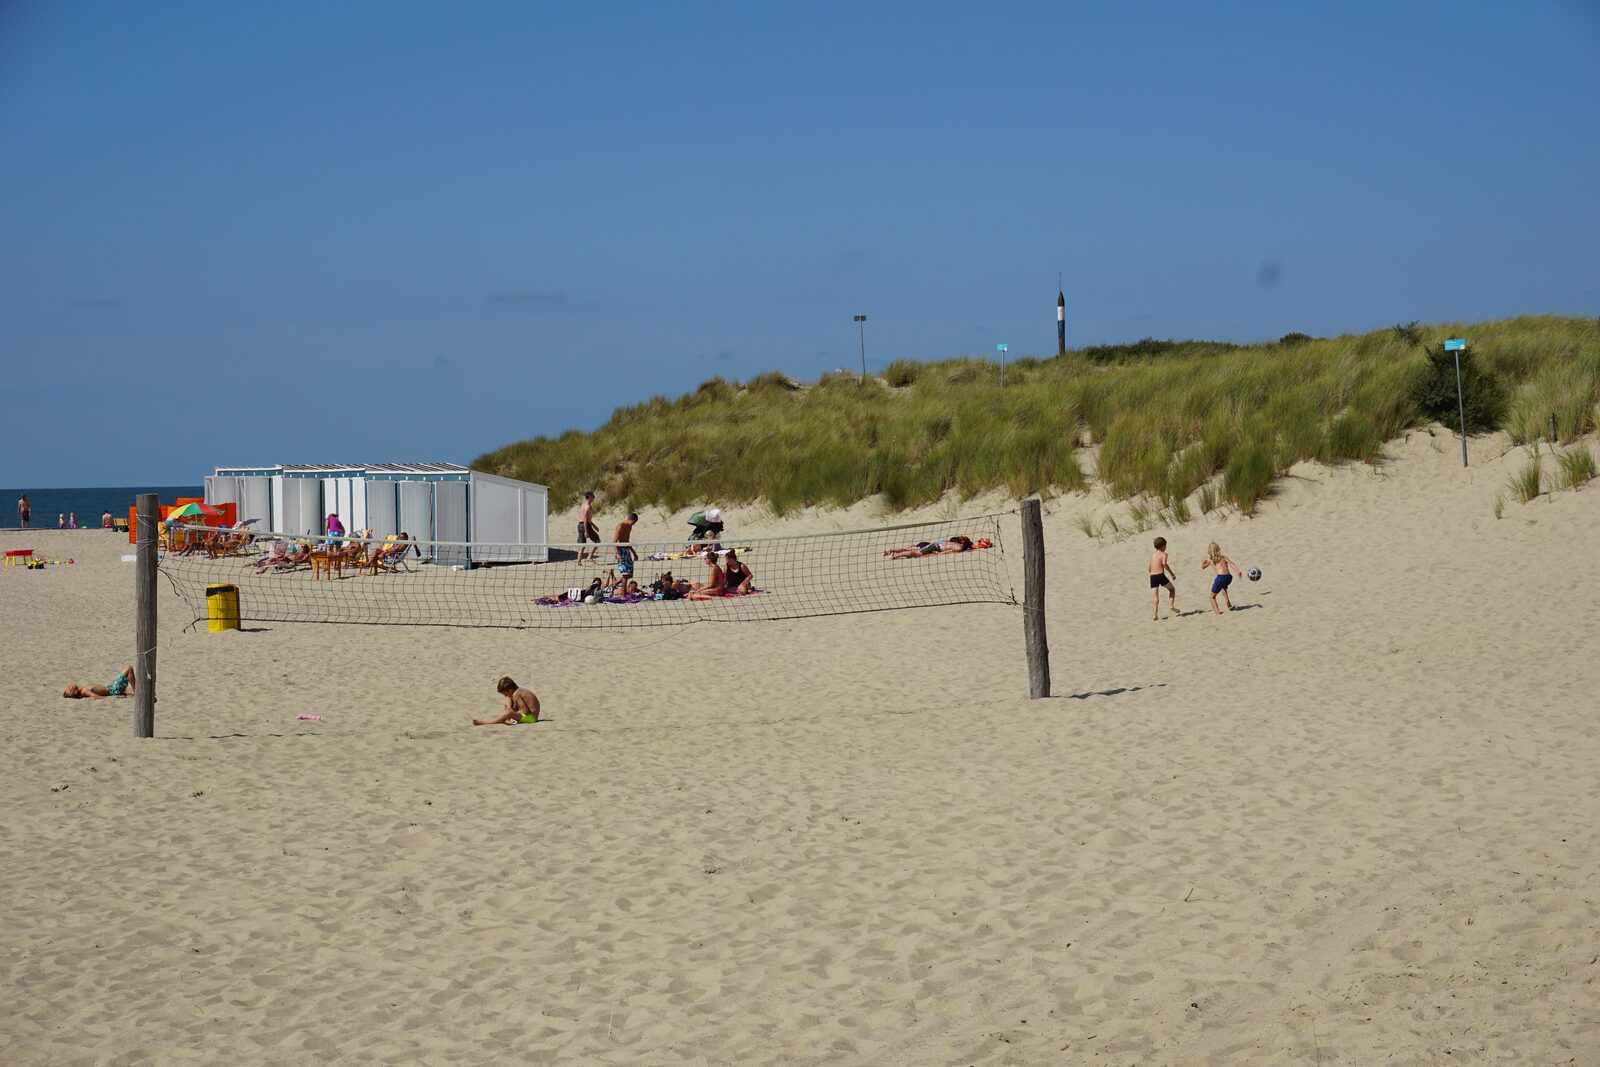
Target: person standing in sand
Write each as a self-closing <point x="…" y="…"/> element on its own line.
<point x="1161" y="575"/>
<point x="522" y="706"/>
<point x="587" y="530"/>
<point x="618" y="576"/>
<point x="1225" y="569"/>
<point x="24" y="511"/>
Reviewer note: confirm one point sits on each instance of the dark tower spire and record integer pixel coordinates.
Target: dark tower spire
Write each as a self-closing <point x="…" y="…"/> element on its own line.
<point x="1061" y="318"/>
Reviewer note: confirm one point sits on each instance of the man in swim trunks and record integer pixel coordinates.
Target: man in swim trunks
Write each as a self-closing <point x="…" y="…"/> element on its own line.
<point x="1161" y="575"/>
<point x="618" y="576"/>
<point x="587" y="530"/>
<point x="121" y="686"/>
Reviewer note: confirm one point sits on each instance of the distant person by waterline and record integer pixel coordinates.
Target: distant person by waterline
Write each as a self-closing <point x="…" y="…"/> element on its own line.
<point x="24" y="511"/>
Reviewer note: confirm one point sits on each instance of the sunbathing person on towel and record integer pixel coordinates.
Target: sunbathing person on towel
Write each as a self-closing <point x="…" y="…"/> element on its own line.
<point x="716" y="584"/>
<point x="958" y="543"/>
<point x="737" y="576"/>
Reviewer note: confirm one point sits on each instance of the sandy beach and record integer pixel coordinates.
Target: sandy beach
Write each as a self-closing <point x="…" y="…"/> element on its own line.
<point x="1354" y="822"/>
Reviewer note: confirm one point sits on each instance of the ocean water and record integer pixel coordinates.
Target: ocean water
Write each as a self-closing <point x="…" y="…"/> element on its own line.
<point x="89" y="504"/>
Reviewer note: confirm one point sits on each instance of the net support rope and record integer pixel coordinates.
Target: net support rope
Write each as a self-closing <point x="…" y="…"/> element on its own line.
<point x="288" y="578"/>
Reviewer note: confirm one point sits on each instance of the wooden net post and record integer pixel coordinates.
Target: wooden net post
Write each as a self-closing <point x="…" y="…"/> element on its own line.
<point x="144" y="627"/>
<point x="1033" y="600"/>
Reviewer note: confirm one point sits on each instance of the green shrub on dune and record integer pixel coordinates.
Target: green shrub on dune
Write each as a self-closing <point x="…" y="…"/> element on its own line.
<point x="1169" y="418"/>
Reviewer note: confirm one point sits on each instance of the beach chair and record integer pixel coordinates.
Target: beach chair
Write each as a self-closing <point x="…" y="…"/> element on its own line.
<point x="389" y="556"/>
<point x="233" y="542"/>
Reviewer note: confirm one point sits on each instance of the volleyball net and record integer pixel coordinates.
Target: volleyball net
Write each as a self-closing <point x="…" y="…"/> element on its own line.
<point x="292" y="579"/>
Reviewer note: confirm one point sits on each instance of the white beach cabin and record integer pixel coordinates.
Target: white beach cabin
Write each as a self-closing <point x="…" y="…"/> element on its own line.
<point x="430" y="501"/>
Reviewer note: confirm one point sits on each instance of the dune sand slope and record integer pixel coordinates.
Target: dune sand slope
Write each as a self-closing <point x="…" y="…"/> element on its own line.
<point x="1353" y="822"/>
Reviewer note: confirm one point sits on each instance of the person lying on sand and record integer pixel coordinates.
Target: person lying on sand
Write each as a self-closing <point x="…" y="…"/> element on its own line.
<point x="667" y="587"/>
<point x="576" y="595"/>
<point x="521" y="705"/>
<point x="1225" y="569"/>
<point x="121" y="686"/>
<point x="958" y="543"/>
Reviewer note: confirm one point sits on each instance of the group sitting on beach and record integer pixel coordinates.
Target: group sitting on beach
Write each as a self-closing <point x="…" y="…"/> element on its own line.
<point x="727" y="578"/>
<point x="360" y="551"/>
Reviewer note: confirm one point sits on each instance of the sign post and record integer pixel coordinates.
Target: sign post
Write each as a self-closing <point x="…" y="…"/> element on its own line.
<point x="1458" y="345"/>
<point x="1002" y="350"/>
<point x="861" y="321"/>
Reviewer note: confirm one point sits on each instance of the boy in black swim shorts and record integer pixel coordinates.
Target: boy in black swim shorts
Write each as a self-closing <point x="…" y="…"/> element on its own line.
<point x="1161" y="575"/>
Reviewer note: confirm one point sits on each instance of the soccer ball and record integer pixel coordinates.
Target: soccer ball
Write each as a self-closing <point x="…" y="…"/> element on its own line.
<point x="1254" y="574"/>
<point x="590" y="599"/>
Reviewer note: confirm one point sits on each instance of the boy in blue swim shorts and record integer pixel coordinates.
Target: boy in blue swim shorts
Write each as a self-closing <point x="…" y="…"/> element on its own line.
<point x="618" y="576"/>
<point x="1224" y="569"/>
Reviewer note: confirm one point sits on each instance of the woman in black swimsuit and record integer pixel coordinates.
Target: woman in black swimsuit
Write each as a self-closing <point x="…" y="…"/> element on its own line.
<point x="737" y="574"/>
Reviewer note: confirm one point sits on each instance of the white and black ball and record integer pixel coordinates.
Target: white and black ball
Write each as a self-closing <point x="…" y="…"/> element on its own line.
<point x="1254" y="574"/>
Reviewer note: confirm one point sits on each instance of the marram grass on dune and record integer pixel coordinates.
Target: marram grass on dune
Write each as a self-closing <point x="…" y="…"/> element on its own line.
<point x="1172" y="422"/>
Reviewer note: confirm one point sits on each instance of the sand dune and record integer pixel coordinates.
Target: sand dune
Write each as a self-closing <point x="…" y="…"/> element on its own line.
<point x="1353" y="822"/>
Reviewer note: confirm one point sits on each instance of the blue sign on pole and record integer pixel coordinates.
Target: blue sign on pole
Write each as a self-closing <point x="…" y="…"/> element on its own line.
<point x="1002" y="348"/>
<point x="1458" y="345"/>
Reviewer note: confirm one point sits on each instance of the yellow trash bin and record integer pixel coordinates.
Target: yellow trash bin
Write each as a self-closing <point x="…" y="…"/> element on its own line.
<point x="222" y="608"/>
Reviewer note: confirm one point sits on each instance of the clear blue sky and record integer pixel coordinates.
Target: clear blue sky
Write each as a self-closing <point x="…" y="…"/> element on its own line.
<point x="259" y="233"/>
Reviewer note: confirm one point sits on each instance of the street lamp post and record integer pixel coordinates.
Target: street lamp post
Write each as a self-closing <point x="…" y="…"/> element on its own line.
<point x="860" y="324"/>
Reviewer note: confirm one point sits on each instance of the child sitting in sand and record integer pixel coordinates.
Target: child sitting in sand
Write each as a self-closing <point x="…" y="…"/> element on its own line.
<point x="121" y="686"/>
<point x="521" y="705"/>
<point x="1161" y="574"/>
<point x="1225" y="569"/>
